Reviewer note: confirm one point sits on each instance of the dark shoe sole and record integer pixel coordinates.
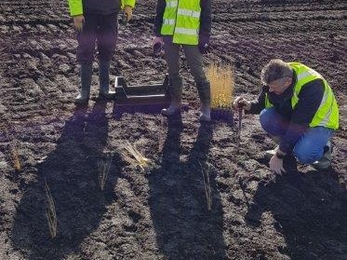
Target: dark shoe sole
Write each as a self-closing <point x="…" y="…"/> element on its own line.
<point x="107" y="96"/>
<point x="81" y="101"/>
<point x="324" y="163"/>
<point x="173" y="113"/>
<point x="204" y="119"/>
<point x="320" y="166"/>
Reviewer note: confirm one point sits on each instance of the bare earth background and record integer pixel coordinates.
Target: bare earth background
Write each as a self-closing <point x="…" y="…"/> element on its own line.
<point x="162" y="213"/>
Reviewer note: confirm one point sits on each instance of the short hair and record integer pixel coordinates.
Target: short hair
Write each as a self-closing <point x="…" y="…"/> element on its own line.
<point x="274" y="70"/>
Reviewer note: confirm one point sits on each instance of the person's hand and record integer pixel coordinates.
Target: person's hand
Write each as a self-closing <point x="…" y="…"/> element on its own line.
<point x="241" y="103"/>
<point x="205" y="49"/>
<point x="204" y="43"/>
<point x="78" y="22"/>
<point x="157" y="46"/>
<point x="157" y="39"/>
<point x="276" y="165"/>
<point x="128" y="13"/>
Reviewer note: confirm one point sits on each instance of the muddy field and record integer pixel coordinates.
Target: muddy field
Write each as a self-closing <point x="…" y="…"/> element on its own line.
<point x="162" y="213"/>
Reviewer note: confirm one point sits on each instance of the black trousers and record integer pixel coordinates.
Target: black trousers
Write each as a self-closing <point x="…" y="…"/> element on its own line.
<point x="100" y="30"/>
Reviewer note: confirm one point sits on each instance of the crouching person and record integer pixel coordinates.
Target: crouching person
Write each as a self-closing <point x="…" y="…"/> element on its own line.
<point x="96" y="22"/>
<point x="298" y="110"/>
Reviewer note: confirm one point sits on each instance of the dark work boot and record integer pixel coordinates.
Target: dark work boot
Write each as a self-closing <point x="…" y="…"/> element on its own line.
<point x="104" y="79"/>
<point x="175" y="90"/>
<point x="205" y="99"/>
<point x="325" y="161"/>
<point x="276" y="139"/>
<point x="86" y="78"/>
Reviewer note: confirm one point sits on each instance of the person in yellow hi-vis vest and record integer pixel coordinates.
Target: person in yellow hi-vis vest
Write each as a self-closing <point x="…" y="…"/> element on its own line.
<point x="298" y="110"/>
<point x="96" y="22"/>
<point x="186" y="24"/>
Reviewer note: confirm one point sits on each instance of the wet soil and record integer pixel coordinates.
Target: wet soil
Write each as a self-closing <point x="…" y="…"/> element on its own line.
<point x="163" y="212"/>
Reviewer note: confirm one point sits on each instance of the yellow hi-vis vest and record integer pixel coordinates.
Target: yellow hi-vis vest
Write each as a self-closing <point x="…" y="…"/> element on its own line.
<point x="76" y="6"/>
<point x="182" y="20"/>
<point x="327" y="114"/>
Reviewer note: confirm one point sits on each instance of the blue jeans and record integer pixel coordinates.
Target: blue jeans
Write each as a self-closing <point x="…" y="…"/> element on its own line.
<point x="309" y="148"/>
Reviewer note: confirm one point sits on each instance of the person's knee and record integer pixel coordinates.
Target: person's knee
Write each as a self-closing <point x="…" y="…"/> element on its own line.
<point x="106" y="54"/>
<point x="198" y="73"/>
<point x="266" y="121"/>
<point x="203" y="85"/>
<point x="306" y="155"/>
<point x="200" y="78"/>
<point x="85" y="57"/>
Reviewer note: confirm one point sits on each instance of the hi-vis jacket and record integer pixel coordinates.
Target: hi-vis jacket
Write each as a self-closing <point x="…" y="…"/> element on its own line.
<point x="78" y="7"/>
<point x="327" y="114"/>
<point x="185" y="20"/>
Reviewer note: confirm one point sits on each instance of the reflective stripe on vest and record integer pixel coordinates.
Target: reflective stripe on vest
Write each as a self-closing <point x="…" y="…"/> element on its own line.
<point x="181" y="19"/>
<point x="185" y="31"/>
<point x="188" y="13"/>
<point x="169" y="22"/>
<point x="169" y="18"/>
<point x="327" y="114"/>
<point x="172" y="4"/>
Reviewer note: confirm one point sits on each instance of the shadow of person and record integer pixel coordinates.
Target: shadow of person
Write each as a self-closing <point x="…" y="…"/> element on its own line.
<point x="309" y="209"/>
<point x="71" y="172"/>
<point x="185" y="229"/>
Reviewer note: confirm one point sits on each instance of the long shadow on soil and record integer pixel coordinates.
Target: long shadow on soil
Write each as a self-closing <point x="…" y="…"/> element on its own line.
<point x="185" y="229"/>
<point x="71" y="172"/>
<point x="310" y="210"/>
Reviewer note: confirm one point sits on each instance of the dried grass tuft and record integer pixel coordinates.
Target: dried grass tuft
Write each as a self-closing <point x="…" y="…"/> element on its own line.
<point x="51" y="213"/>
<point x="133" y="156"/>
<point x="222" y="85"/>
<point x="206" y="178"/>
<point x="103" y="170"/>
<point x="15" y="158"/>
<point x="161" y="138"/>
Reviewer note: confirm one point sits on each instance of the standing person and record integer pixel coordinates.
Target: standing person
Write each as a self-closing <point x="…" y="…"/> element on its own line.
<point x="298" y="109"/>
<point x="185" y="23"/>
<point x="96" y="21"/>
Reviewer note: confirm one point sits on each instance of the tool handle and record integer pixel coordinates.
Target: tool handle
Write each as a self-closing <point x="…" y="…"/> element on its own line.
<point x="239" y="130"/>
<point x="240" y="119"/>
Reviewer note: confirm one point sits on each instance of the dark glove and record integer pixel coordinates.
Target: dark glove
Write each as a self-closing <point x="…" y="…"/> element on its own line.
<point x="206" y="48"/>
<point x="157" y="49"/>
<point x="204" y="45"/>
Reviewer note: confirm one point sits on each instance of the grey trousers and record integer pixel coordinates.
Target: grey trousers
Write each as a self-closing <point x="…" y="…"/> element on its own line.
<point x="194" y="60"/>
